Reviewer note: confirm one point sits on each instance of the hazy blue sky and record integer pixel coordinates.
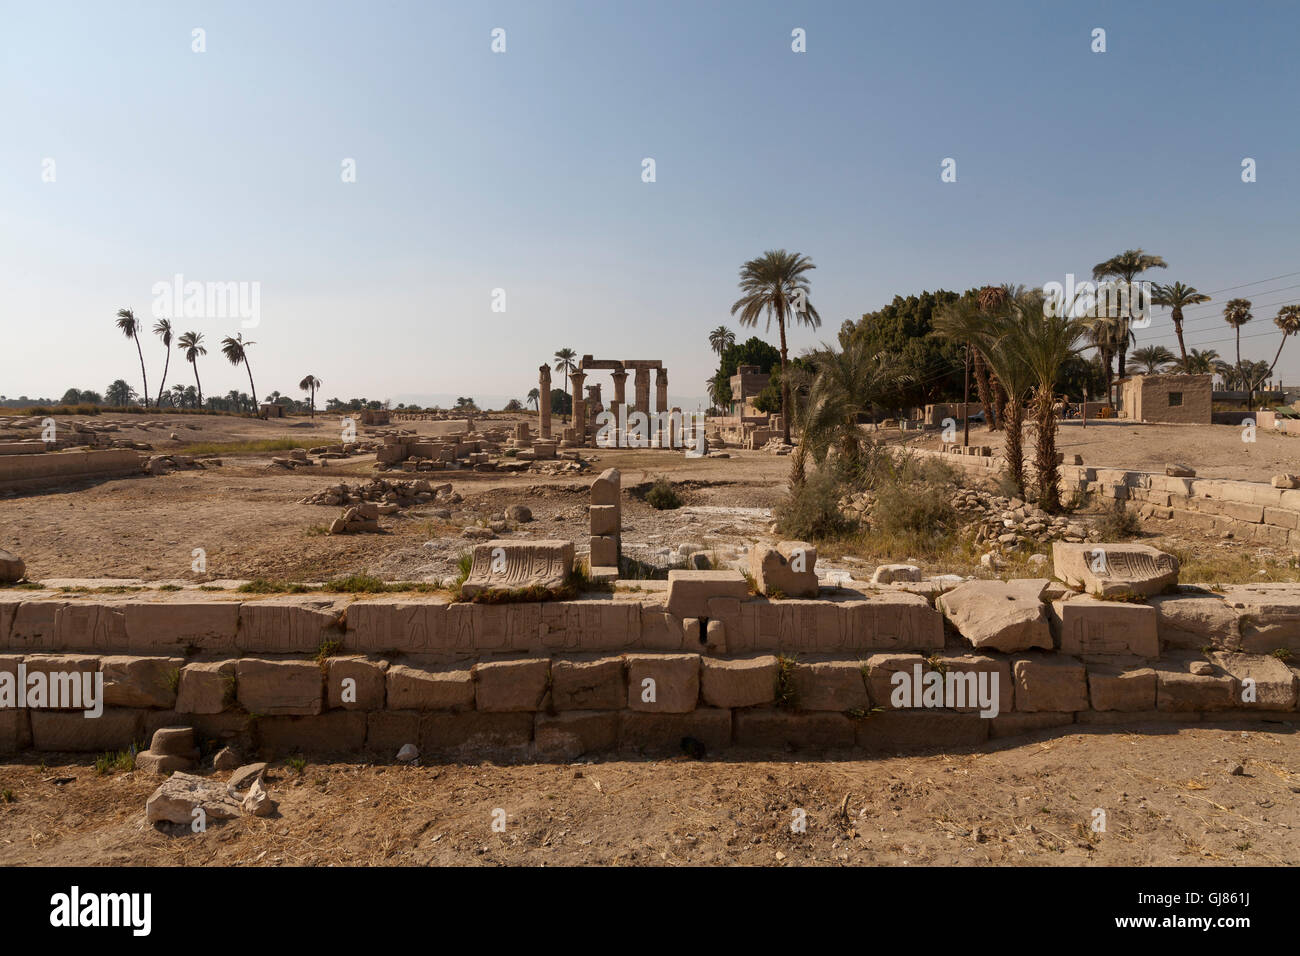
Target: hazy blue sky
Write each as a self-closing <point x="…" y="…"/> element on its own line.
<point x="522" y="171"/>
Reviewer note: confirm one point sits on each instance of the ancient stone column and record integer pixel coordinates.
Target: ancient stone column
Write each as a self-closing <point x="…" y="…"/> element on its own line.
<point x="544" y="402"/>
<point x="617" y="402"/>
<point x="661" y="390"/>
<point x="579" y="406"/>
<point x="642" y="390"/>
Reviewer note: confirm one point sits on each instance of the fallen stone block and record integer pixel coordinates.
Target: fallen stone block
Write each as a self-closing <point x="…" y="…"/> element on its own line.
<point x="893" y="573"/>
<point x="183" y="798"/>
<point x="788" y="569"/>
<point x="999" y="615"/>
<point x="501" y="565"/>
<point x="1114" y="570"/>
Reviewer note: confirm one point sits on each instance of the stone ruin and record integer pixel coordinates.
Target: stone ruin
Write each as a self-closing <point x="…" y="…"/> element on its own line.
<point x="588" y="403"/>
<point x="606" y="525"/>
<point x="505" y="448"/>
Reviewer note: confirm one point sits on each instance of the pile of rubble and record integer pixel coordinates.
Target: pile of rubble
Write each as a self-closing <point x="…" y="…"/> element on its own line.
<point x="164" y="464"/>
<point x="297" y="458"/>
<point x="402" y="494"/>
<point x="776" y="446"/>
<point x="344" y="449"/>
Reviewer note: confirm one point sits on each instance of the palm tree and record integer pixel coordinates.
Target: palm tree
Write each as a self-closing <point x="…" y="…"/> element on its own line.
<point x="1042" y="340"/>
<point x="1149" y="360"/>
<point x="534" y="398"/>
<point x="1001" y="341"/>
<point x="178" y="396"/>
<point x="192" y="343"/>
<point x="721" y="339"/>
<point x="1288" y="320"/>
<point x="127" y="323"/>
<point x="564" y="363"/>
<point x="1177" y="297"/>
<point x="1237" y="313"/>
<point x="964" y="322"/>
<point x="163" y="329"/>
<point x="191" y="397"/>
<point x="236" y="350"/>
<point x="119" y="394"/>
<point x="310" y="383"/>
<point x="1128" y="265"/>
<point x="775" y="283"/>
<point x="1198" y="362"/>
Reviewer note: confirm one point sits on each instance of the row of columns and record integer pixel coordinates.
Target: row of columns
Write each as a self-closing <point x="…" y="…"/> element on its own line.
<point x="641" y="384"/>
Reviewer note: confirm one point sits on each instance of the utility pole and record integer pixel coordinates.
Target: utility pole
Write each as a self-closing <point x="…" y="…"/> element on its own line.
<point x="965" y="404"/>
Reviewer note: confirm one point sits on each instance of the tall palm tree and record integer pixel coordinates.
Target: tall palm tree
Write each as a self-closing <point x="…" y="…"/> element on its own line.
<point x="1177" y="297"/>
<point x="534" y="398"/>
<point x="310" y="383"/>
<point x="1288" y="320"/>
<point x="1198" y="362"/>
<point x="1149" y="360"/>
<point x="192" y="344"/>
<point x="1001" y="341"/>
<point x="775" y="283"/>
<point x="119" y="394"/>
<point x="564" y="363"/>
<point x="1128" y="265"/>
<point x="964" y="322"/>
<point x="236" y="351"/>
<point x="721" y="339"/>
<point x="163" y="329"/>
<point x="129" y="327"/>
<point x="1237" y="313"/>
<point x="178" y="396"/>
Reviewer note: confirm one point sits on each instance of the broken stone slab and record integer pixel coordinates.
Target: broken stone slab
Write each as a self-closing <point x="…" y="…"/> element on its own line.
<point x="999" y="615"/>
<point x="181" y="794"/>
<point x="155" y="763"/>
<point x="245" y="776"/>
<point x="789" y="568"/>
<point x="1263" y="681"/>
<point x="257" y="801"/>
<point x="1196" y="619"/>
<point x="12" y="567"/>
<point x="500" y="565"/>
<point x="1286" y="481"/>
<point x="890" y="573"/>
<point x="1114" y="570"/>
<point x="1179" y="470"/>
<point x="226" y="759"/>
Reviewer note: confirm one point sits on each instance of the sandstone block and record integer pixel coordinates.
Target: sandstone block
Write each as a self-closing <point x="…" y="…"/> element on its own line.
<point x="663" y="683"/>
<point x="880" y="674"/>
<point x="1196" y="619"/>
<point x="278" y="687"/>
<point x="1049" y="683"/>
<point x="1122" y="686"/>
<point x="1015" y="725"/>
<point x="162" y="627"/>
<point x="206" y="687"/>
<point x="292" y="624"/>
<point x="1179" y="689"/>
<point x="476" y="732"/>
<point x="666" y="733"/>
<point x="689" y="592"/>
<point x="140" y="681"/>
<point x="830" y="685"/>
<point x="739" y="682"/>
<point x="569" y="735"/>
<point x="336" y="731"/>
<point x="417" y="687"/>
<point x="355" y="683"/>
<point x="588" y="684"/>
<point x="789" y="568"/>
<point x="1263" y="681"/>
<point x="115" y="729"/>
<point x="511" y="685"/>
<point x="501" y="565"/>
<point x="901" y="731"/>
<point x="773" y="729"/>
<point x="605" y="520"/>
<point x="1088" y="626"/>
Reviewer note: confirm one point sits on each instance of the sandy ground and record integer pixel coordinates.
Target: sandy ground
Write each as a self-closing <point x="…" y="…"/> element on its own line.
<point x="1168" y="795"/>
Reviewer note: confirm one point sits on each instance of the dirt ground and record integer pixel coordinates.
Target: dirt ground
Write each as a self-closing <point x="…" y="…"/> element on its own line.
<point x="249" y="520"/>
<point x="1169" y="797"/>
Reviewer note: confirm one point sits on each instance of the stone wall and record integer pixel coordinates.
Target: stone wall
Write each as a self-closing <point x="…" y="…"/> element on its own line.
<point x="24" y="472"/>
<point x="642" y="671"/>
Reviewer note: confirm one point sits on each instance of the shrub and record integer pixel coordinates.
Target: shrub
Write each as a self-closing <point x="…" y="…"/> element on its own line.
<point x="811" y="510"/>
<point x="662" y="496"/>
<point x="1119" y="523"/>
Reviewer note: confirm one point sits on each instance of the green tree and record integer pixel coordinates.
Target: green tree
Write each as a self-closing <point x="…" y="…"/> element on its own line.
<point x="1128" y="265"/>
<point x="1177" y="297"/>
<point x="163" y="329"/>
<point x="564" y="363"/>
<point x="753" y="351"/>
<point x="236" y="351"/>
<point x="1150" y="360"/>
<point x="119" y="394"/>
<point x="1288" y="320"/>
<point x="309" y="384"/>
<point x="721" y="338"/>
<point x="534" y="396"/>
<point x="127" y="324"/>
<point x="1237" y="313"/>
<point x="776" y="285"/>
<point x="192" y="344"/>
<point x="931" y="366"/>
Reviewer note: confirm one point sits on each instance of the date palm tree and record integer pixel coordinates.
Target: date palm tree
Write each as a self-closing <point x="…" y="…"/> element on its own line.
<point x="163" y="329"/>
<point x="1150" y="360"/>
<point x="564" y="363"/>
<point x="119" y="394"/>
<point x="309" y="384"/>
<point x="177" y="394"/>
<point x="1198" y="362"/>
<point x="192" y="344"/>
<point x="1237" y="313"/>
<point x="776" y="284"/>
<point x="1128" y="265"/>
<point x="534" y="398"/>
<point x="964" y="322"/>
<point x="1288" y="320"/>
<point x="1177" y="297"/>
<point x="130" y="327"/>
<point x="721" y="339"/>
<point x="236" y="351"/>
<point x="1001" y="340"/>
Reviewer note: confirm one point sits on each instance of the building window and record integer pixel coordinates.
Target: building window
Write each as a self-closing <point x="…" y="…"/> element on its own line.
<point x="1175" y="398"/>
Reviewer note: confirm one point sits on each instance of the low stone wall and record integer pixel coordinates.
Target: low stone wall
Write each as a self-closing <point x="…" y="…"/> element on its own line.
<point x="642" y="671"/>
<point x="23" y="472"/>
<point x="1251" y="510"/>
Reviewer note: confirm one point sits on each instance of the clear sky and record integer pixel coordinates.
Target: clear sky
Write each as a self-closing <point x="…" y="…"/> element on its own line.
<point x="522" y="171"/>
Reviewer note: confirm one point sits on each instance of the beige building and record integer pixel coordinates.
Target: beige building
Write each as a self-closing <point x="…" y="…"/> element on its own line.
<point x="746" y="385"/>
<point x="1184" y="399"/>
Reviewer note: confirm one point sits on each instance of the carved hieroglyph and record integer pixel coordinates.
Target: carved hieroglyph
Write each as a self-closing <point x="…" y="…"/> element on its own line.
<point x="1108" y="570"/>
<point x="508" y="565"/>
